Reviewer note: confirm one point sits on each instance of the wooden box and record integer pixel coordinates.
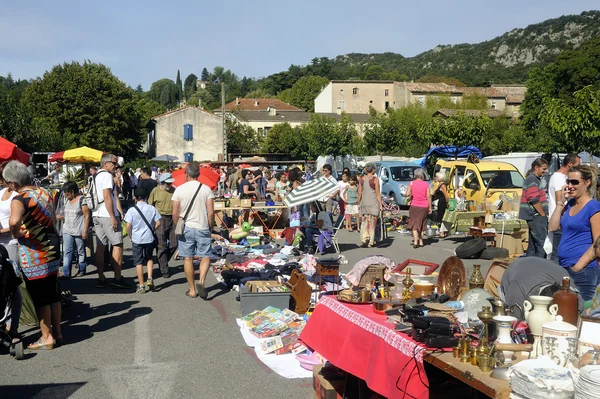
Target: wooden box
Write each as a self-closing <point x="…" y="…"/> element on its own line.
<point x="219" y="205"/>
<point x="235" y="202"/>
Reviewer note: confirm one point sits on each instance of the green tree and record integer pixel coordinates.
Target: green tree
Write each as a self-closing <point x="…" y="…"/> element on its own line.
<point x="277" y="140"/>
<point x="158" y="93"/>
<point x="374" y="72"/>
<point x="189" y="85"/>
<point x="82" y="104"/>
<point x="204" y="76"/>
<point x="179" y="91"/>
<point x="303" y="93"/>
<point x="139" y="89"/>
<point x="240" y="137"/>
<point x="460" y="130"/>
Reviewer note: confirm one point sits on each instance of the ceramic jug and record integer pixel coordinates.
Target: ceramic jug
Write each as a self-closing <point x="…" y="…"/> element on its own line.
<point x="501" y="309"/>
<point x="538" y="313"/>
<point x="554" y="340"/>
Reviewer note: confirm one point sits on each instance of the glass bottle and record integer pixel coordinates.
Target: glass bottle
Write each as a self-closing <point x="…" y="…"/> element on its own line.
<point x="476" y="280"/>
<point x="567" y="301"/>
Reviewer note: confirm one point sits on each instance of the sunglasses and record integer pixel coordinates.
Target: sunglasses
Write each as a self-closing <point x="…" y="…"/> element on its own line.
<point x="573" y="182"/>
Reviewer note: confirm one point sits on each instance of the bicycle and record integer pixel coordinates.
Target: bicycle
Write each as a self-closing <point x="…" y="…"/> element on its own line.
<point x="390" y="205"/>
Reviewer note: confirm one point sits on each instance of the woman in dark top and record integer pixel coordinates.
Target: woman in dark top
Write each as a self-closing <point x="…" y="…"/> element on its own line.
<point x="246" y="188"/>
<point x="441" y="196"/>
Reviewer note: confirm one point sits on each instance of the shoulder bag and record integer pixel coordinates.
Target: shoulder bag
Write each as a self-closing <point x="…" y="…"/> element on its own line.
<point x="147" y="224"/>
<point x="180" y="226"/>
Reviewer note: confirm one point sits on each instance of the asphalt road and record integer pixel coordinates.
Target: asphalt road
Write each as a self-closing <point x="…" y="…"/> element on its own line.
<point x="165" y="345"/>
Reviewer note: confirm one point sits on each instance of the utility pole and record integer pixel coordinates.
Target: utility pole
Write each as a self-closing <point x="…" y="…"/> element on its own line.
<point x="223" y="122"/>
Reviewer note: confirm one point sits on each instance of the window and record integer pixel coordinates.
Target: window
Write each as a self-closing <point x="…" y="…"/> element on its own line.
<point x="341" y="92"/>
<point x="421" y="100"/>
<point x="404" y="173"/>
<point x="357" y="106"/>
<point x="453" y="99"/>
<point x="261" y="131"/>
<point x="502" y="179"/>
<point x="493" y="105"/>
<point x="188" y="132"/>
<point x="387" y="105"/>
<point x="342" y="105"/>
<point x="267" y="128"/>
<point x="387" y="92"/>
<point x="355" y="91"/>
<point x="188" y="157"/>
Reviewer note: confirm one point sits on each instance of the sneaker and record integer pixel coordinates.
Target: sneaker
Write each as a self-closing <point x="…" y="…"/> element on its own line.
<point x="140" y="290"/>
<point x="150" y="285"/>
<point x="166" y="275"/>
<point x="120" y="283"/>
<point x="101" y="283"/>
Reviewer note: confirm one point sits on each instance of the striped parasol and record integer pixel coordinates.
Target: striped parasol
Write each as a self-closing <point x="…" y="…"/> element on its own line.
<point x="312" y="190"/>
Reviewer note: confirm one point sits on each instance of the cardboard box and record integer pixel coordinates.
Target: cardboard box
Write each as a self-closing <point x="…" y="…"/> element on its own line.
<point x="251" y="300"/>
<point x="246" y="203"/>
<point x="219" y="205"/>
<point x="516" y="243"/>
<point x="275" y="233"/>
<point x="325" y="389"/>
<point x="235" y="202"/>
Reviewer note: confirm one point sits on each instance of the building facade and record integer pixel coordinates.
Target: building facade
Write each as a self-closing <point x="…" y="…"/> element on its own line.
<point x="359" y="96"/>
<point x="189" y="133"/>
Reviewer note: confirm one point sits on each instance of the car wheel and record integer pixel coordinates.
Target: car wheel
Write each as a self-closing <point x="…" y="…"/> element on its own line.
<point x="393" y="198"/>
<point x="493" y="253"/>
<point x="471" y="249"/>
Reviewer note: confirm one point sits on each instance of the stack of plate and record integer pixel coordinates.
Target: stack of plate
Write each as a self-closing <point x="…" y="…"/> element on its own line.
<point x="588" y="384"/>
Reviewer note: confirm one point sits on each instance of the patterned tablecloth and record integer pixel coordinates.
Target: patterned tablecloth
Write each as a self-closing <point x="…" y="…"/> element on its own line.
<point x="361" y="342"/>
<point x="461" y="222"/>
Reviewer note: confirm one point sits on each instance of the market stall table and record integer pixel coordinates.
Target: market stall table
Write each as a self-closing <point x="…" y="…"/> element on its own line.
<point x="362" y="343"/>
<point x="462" y="222"/>
<point x="254" y="212"/>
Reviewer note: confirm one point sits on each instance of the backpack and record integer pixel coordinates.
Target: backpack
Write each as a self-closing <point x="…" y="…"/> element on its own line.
<point x="91" y="197"/>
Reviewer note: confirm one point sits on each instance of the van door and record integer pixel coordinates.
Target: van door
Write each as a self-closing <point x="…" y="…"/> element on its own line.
<point x="455" y="177"/>
<point x="473" y="187"/>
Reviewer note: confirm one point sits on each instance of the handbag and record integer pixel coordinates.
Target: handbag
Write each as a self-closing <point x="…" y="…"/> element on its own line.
<point x="147" y="224"/>
<point x="180" y="226"/>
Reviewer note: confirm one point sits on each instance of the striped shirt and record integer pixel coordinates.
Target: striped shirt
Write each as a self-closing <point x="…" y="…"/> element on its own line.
<point x="534" y="192"/>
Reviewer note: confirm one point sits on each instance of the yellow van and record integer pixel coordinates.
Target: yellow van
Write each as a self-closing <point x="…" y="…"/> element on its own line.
<point x="483" y="181"/>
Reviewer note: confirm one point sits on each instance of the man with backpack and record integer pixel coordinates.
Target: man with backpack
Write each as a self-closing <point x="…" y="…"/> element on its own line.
<point x="142" y="221"/>
<point x="107" y="215"/>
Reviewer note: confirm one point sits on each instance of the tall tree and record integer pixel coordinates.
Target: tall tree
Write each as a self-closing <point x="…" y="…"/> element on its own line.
<point x="204" y="76"/>
<point x="189" y="86"/>
<point x="179" y="91"/>
<point x="156" y="92"/>
<point x="83" y="104"/>
<point x="303" y="93"/>
<point x="139" y="89"/>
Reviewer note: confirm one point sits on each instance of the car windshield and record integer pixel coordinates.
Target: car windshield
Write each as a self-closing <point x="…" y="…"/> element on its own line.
<point x="404" y="173"/>
<point x="502" y="179"/>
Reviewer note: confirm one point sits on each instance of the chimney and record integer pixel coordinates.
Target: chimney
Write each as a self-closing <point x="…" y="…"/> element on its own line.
<point x="272" y="111"/>
<point x="256" y="102"/>
<point x="237" y="101"/>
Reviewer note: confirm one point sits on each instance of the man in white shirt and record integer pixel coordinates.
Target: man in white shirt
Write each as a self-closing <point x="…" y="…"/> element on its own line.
<point x="557" y="181"/>
<point x="107" y="221"/>
<point x="195" y="203"/>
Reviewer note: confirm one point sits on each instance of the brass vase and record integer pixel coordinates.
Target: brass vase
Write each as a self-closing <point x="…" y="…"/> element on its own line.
<point x="476" y="280"/>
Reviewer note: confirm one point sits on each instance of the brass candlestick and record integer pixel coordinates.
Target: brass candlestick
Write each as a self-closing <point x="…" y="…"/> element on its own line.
<point x="486" y="316"/>
<point x="407" y="282"/>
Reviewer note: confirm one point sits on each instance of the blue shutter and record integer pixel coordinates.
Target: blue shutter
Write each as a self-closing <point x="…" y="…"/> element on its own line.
<point x="188" y="132"/>
<point x="188" y="157"/>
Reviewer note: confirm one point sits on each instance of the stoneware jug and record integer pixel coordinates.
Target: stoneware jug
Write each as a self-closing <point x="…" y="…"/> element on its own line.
<point x="505" y="327"/>
<point x="554" y="340"/>
<point x="538" y="313"/>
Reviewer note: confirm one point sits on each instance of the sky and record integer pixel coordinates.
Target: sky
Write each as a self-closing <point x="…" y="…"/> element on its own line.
<point x="144" y="41"/>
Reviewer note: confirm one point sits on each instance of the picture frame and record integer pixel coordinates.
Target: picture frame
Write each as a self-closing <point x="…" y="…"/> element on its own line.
<point x="588" y="334"/>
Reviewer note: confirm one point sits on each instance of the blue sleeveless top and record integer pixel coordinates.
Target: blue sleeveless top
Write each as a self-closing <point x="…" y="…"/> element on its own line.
<point x="577" y="234"/>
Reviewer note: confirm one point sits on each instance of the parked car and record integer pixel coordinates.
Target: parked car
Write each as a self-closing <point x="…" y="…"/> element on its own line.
<point x="484" y="181"/>
<point x="394" y="178"/>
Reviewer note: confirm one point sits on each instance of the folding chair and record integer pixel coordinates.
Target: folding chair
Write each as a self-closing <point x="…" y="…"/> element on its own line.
<point x="334" y="239"/>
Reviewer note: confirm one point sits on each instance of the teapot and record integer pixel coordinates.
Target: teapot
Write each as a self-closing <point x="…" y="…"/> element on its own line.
<point x="499" y="308"/>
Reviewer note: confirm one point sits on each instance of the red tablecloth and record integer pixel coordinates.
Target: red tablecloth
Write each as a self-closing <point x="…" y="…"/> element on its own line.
<point x="359" y="341"/>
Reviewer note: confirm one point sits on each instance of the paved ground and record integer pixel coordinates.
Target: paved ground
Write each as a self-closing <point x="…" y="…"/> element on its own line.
<point x="165" y="345"/>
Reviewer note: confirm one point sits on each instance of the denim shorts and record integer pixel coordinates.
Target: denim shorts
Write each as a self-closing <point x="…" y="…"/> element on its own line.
<point x="142" y="253"/>
<point x="194" y="242"/>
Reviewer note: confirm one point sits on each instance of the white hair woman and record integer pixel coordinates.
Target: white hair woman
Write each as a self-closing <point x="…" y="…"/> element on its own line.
<point x="32" y="224"/>
<point x="440" y="201"/>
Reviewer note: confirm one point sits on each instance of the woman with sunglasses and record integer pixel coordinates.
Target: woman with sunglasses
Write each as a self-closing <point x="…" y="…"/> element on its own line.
<point x="578" y="214"/>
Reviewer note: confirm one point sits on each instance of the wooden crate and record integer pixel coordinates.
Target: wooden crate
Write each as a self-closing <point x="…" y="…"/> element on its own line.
<point x="372" y="272"/>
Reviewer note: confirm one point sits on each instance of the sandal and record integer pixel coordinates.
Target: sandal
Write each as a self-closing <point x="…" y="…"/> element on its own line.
<point x="187" y="293"/>
<point x="39" y="345"/>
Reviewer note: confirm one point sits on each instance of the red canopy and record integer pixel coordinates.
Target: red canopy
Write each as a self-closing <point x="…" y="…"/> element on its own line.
<point x="56" y="157"/>
<point x="207" y="176"/>
<point x="9" y="152"/>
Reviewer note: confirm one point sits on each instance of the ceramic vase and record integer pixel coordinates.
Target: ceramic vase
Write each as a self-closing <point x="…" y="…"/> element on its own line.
<point x="538" y="313"/>
<point x="476" y="280"/>
<point x="504" y="326"/>
<point x="554" y="340"/>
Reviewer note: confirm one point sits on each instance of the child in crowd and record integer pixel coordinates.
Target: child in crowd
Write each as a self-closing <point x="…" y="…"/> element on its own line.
<point x="76" y="217"/>
<point x="142" y="220"/>
<point x="282" y="186"/>
<point x="352" y="203"/>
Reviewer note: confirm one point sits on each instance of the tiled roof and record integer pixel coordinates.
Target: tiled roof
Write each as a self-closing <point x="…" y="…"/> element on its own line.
<point x="181" y="109"/>
<point x="431" y="87"/>
<point x="291" y="116"/>
<point x="515" y="99"/>
<point x="258" y="104"/>
<point x="492" y="113"/>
